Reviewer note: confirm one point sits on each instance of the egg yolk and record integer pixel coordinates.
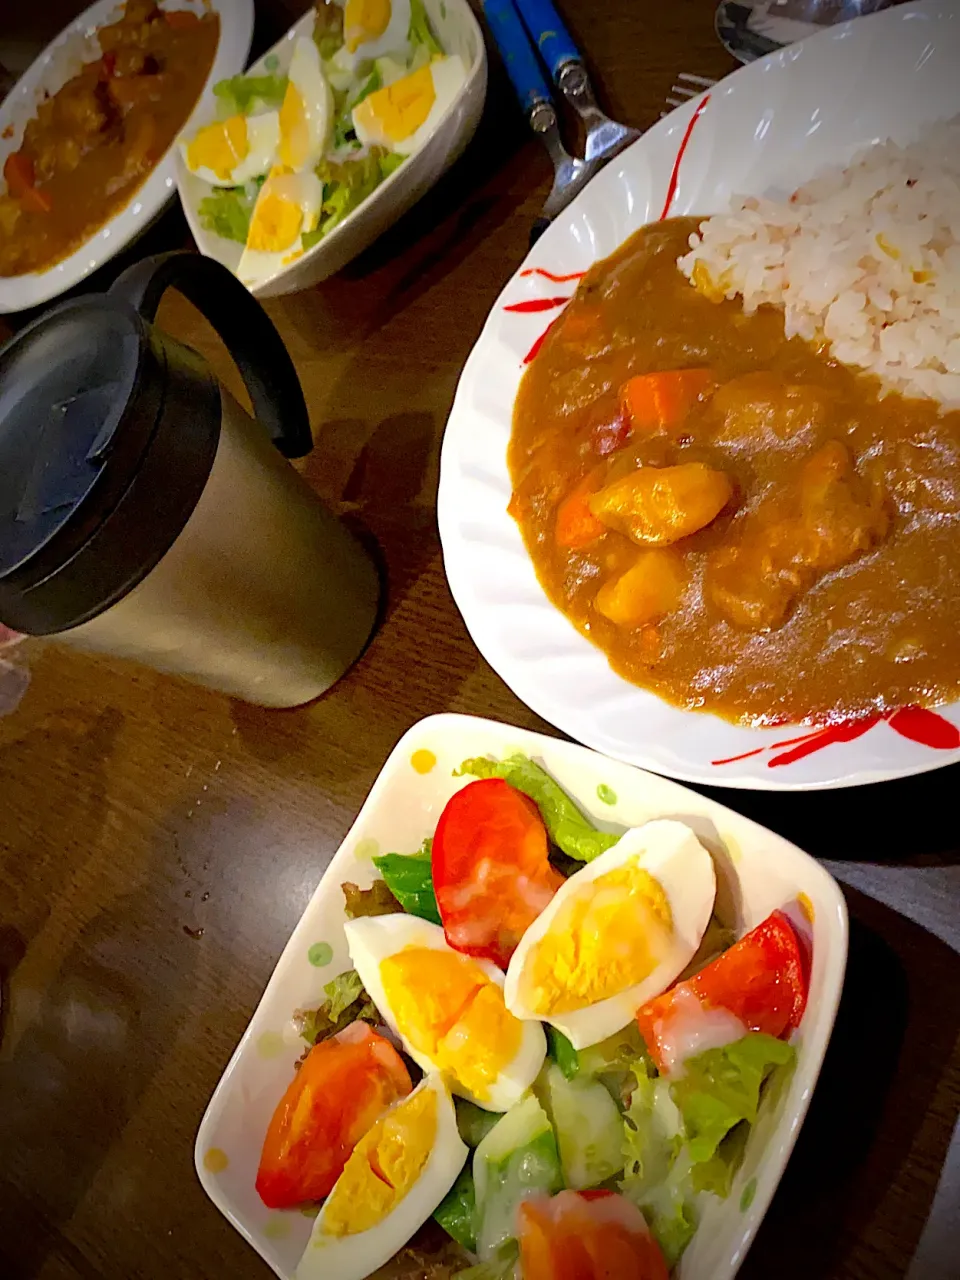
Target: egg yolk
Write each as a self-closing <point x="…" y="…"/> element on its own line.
<point x="383" y="1167"/>
<point x="276" y="221"/>
<point x="294" y="147"/>
<point x="606" y="938"/>
<point x="449" y="1010"/>
<point x="364" y="20"/>
<point x="219" y="147"/>
<point x="397" y="111"/>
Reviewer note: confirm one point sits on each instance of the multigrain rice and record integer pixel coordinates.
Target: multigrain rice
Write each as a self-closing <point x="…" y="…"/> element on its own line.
<point x="865" y="259"/>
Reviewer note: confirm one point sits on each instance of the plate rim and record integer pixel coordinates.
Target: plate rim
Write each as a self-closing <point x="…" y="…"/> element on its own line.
<point x="749" y="774"/>
<point x="36" y="288"/>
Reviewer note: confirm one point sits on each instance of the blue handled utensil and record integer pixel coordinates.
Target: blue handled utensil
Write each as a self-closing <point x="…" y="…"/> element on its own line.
<point x="570" y="174"/>
<point x="605" y="137"/>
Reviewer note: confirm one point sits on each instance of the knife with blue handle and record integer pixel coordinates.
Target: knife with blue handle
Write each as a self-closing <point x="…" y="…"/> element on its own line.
<point x="605" y="137"/>
<point x="549" y="34"/>
<point x="519" y="57"/>
<point x="570" y="174"/>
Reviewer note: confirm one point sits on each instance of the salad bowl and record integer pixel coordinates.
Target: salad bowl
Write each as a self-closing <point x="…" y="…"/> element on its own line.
<point x="458" y="31"/>
<point x="760" y="873"/>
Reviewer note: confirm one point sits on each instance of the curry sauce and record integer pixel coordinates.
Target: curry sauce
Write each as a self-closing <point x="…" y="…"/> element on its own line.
<point x="94" y="141"/>
<point x="755" y="531"/>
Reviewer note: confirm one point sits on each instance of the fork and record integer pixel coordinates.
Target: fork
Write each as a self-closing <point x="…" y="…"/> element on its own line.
<point x="687" y="86"/>
<point x="605" y="138"/>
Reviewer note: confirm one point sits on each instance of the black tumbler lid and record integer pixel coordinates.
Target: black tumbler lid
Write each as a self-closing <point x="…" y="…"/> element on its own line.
<point x="107" y="435"/>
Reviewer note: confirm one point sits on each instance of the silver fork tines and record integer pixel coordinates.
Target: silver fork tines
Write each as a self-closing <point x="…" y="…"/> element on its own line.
<point x="687" y="86"/>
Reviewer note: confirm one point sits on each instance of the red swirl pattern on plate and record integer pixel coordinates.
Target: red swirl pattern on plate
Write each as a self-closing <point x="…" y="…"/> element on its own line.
<point x="918" y="724"/>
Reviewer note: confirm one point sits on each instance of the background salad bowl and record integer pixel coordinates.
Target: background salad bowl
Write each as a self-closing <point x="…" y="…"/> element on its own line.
<point x="458" y="32"/>
<point x="766" y="129"/>
<point x="759" y="871"/>
<point x="76" y="44"/>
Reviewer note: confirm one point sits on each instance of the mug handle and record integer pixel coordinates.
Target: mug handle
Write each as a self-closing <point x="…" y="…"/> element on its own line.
<point x="245" y="329"/>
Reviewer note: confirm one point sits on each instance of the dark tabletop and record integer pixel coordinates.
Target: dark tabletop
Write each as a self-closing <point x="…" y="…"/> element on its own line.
<point x="158" y="843"/>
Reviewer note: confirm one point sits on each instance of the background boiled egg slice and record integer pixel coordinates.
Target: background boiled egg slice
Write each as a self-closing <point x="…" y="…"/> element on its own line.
<point x="447" y="1009"/>
<point x="288" y="206"/>
<point x="395" y="1178"/>
<point x="230" y="152"/>
<point x="616" y="934"/>
<point x="306" y="114"/>
<point x="402" y="115"/>
<point x="374" y="29"/>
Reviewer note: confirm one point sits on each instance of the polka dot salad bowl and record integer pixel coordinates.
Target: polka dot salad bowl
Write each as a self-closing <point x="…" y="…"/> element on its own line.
<point x="757" y="872"/>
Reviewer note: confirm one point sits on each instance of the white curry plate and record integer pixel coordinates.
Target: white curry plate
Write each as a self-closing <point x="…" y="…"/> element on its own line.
<point x="62" y="58"/>
<point x="459" y="32"/>
<point x="767" y="128"/>
<point x="758" y="872"/>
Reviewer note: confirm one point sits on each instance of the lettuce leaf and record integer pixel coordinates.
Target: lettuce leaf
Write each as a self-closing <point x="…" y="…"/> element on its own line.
<point x="347" y="1001"/>
<point x="502" y="1268"/>
<point x="672" y="1218"/>
<point x="421" y="32"/>
<point x="568" y="828"/>
<point x="345" y="185"/>
<point x="457" y="1211"/>
<point x="409" y="878"/>
<point x="327" y="28"/>
<point x="375" y="901"/>
<point x="721" y="1087"/>
<point x="389" y="163"/>
<point x="473" y="1123"/>
<point x="227" y="212"/>
<point x="656" y="1167"/>
<point x="562" y="1052"/>
<point x="242" y="95"/>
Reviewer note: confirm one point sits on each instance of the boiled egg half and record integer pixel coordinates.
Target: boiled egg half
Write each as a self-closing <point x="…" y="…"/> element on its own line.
<point x="615" y="934"/>
<point x="230" y="152"/>
<point x="402" y="115"/>
<point x="397" y="1175"/>
<point x="446" y="1008"/>
<point x="374" y="29"/>
<point x="287" y="207"/>
<point x="306" y="113"/>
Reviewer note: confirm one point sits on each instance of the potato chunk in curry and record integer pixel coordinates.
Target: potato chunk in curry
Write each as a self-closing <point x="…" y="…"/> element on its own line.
<point x="659" y="505"/>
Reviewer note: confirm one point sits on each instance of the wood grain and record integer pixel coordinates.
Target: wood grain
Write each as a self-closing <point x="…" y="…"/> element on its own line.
<point x="158" y="843"/>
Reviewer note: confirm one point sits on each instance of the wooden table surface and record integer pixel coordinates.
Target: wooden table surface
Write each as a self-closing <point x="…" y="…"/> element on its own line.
<point x="158" y="843"/>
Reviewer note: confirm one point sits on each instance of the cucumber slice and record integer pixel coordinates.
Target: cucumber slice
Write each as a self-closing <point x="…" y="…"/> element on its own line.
<point x="517" y="1159"/>
<point x="588" y="1126"/>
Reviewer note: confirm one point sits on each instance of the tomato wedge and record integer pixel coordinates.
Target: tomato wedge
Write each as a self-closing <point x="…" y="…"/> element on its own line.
<point x="491" y="873"/>
<point x="587" y="1235"/>
<point x="761" y="980"/>
<point x="342" y="1087"/>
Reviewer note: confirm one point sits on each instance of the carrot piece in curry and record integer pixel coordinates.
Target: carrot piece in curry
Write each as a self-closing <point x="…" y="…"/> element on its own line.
<point x="576" y="524"/>
<point x="659" y="401"/>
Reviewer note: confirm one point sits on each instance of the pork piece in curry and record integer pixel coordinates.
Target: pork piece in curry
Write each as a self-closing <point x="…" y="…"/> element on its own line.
<point x="740" y="523"/>
<point x="93" y="142"/>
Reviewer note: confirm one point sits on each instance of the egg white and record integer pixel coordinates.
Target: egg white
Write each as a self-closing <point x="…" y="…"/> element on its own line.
<point x="371" y="940"/>
<point x="393" y="41"/>
<point x="673" y="855"/>
<point x="306" y="75"/>
<point x="302" y="189"/>
<point x="263" y="138"/>
<point x="449" y="75"/>
<point x="352" y="1257"/>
